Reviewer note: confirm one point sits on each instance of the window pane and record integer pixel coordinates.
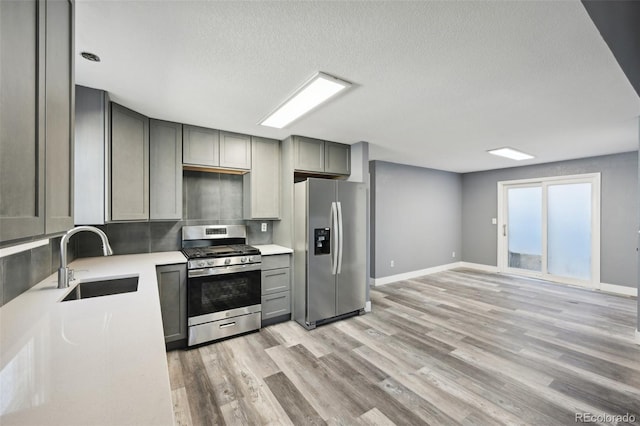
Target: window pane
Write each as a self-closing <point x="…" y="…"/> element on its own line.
<point x="525" y="228"/>
<point x="569" y="230"/>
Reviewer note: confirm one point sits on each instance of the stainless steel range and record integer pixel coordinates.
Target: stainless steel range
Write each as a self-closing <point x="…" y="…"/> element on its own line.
<point x="223" y="282"/>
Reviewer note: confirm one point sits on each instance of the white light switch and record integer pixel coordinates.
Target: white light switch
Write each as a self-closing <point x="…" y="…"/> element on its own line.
<point x="494" y="221"/>
<point x="264" y="227"/>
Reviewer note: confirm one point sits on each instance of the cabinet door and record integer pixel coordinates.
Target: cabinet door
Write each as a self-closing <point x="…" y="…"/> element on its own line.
<point x="275" y="305"/>
<point x="22" y="150"/>
<point x="308" y="154"/>
<point x="201" y="146"/>
<point x="129" y="164"/>
<point x="337" y="158"/>
<point x="262" y="185"/>
<point x="276" y="281"/>
<point x="235" y="150"/>
<point x="172" y="287"/>
<point x="90" y="137"/>
<point x="59" y="98"/>
<point x="165" y="170"/>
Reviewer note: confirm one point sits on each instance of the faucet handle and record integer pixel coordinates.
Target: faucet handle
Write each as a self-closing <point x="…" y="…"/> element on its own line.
<point x="70" y="275"/>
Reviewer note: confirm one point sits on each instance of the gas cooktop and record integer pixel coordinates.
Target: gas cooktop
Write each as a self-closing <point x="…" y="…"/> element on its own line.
<point x="220" y="251"/>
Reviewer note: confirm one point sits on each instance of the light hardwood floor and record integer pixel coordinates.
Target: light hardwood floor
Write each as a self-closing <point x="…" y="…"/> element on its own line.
<point x="456" y="347"/>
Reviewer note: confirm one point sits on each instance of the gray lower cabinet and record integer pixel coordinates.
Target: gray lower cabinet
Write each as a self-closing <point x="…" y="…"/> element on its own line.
<point x="165" y="170"/>
<point x="129" y="164"/>
<point x="201" y="146"/>
<point x="36" y="53"/>
<point x="172" y="288"/>
<point x="321" y="157"/>
<point x="261" y="186"/>
<point x="276" y="288"/>
<point x="235" y="150"/>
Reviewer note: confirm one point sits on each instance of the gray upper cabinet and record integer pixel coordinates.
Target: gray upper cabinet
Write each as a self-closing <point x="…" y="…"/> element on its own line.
<point x="262" y="185"/>
<point x="322" y="157"/>
<point x="337" y="158"/>
<point x="308" y="154"/>
<point x="165" y="170"/>
<point x="235" y="150"/>
<point x="59" y="112"/>
<point x="36" y="40"/>
<point x="201" y="146"/>
<point x="216" y="148"/>
<point x="22" y="146"/>
<point x="129" y="164"/>
<point x="91" y="175"/>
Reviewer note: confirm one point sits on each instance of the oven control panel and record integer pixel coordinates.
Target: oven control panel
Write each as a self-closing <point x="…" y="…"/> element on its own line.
<point x="224" y="261"/>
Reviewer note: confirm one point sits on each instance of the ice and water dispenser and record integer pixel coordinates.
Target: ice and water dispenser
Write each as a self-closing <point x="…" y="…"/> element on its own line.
<point x="322" y="241"/>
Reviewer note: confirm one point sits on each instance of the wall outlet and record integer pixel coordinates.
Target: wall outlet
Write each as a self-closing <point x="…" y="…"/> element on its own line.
<point x="393" y="263"/>
<point x="494" y="221"/>
<point x="453" y="254"/>
<point x="264" y="227"/>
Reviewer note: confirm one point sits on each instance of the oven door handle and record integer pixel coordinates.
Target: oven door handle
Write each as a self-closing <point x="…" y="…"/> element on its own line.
<point x="233" y="269"/>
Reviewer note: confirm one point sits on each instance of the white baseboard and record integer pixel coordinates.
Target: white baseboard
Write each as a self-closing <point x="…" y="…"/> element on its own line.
<point x="619" y="289"/>
<point x="413" y="274"/>
<point x="609" y="288"/>
<point x="478" y="266"/>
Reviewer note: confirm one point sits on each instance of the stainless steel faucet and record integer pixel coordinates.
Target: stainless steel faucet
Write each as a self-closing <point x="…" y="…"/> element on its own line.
<point x="65" y="274"/>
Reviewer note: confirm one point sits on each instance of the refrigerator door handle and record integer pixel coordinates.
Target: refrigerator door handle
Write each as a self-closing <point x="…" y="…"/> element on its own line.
<point x="334" y="229"/>
<point x="340" y="237"/>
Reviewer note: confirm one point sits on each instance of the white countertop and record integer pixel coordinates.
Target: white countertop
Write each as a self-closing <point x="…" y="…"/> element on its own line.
<point x="97" y="361"/>
<point x="270" y="249"/>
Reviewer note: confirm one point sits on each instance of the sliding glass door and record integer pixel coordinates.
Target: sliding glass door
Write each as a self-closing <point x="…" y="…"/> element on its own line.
<point x="550" y="228"/>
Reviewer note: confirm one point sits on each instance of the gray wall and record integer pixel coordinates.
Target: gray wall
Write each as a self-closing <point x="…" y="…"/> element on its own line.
<point x="619" y="206"/>
<point x="416" y="214"/>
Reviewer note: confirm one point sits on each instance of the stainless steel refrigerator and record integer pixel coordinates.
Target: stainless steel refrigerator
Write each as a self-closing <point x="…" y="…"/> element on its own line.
<point x="330" y="219"/>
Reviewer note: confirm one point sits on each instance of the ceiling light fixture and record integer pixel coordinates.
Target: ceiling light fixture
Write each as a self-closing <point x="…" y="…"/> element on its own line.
<point x="90" y="56"/>
<point x="511" y="153"/>
<point x="320" y="88"/>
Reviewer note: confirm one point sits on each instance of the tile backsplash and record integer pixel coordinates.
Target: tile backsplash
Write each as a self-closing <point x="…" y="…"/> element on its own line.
<point x="208" y="199"/>
<point x="21" y="271"/>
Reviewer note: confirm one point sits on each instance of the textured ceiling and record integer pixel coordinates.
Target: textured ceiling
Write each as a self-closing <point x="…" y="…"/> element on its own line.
<point x="436" y="84"/>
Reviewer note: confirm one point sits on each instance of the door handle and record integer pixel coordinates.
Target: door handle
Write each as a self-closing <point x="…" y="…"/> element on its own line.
<point x="334" y="228"/>
<point x="504" y="230"/>
<point x="275" y="298"/>
<point x="340" y="237"/>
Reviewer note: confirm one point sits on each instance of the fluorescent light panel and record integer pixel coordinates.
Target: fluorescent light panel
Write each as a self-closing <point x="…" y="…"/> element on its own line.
<point x="511" y="153"/>
<point x="320" y="88"/>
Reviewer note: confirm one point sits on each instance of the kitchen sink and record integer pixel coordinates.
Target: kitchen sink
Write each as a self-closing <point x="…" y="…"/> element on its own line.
<point x="108" y="287"/>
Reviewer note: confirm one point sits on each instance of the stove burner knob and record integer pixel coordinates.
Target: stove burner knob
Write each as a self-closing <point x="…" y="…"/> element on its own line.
<point x="243" y="259"/>
<point x="250" y="259"/>
<point x="202" y="263"/>
<point x="227" y="261"/>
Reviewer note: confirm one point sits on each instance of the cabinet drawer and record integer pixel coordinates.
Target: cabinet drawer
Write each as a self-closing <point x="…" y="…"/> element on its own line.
<point x="275" y="305"/>
<point x="275" y="261"/>
<point x="275" y="281"/>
